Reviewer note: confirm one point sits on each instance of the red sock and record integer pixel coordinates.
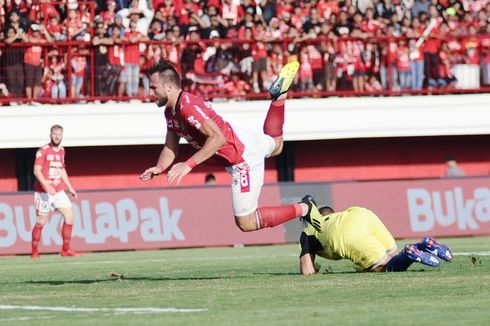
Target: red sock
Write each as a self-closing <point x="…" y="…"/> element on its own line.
<point x="36" y="236"/>
<point x="66" y="233"/>
<point x="268" y="217"/>
<point x="274" y="120"/>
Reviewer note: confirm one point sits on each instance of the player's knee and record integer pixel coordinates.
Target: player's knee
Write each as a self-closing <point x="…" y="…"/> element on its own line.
<point x="246" y="223"/>
<point x="278" y="147"/>
<point x="68" y="216"/>
<point x="41" y="220"/>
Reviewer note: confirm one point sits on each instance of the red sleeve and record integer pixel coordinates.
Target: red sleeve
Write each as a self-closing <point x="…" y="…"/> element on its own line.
<point x="40" y="157"/>
<point x="195" y="111"/>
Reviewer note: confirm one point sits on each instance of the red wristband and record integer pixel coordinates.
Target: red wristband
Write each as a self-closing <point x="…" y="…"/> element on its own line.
<point x="192" y="164"/>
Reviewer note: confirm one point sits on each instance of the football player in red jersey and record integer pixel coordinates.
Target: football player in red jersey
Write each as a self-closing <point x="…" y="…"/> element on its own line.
<point x="243" y="152"/>
<point x="51" y="177"/>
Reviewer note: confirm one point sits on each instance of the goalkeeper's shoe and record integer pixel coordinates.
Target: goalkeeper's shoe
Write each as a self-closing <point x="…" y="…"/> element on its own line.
<point x="313" y="216"/>
<point x="284" y="81"/>
<point x="435" y="248"/>
<point x="422" y="257"/>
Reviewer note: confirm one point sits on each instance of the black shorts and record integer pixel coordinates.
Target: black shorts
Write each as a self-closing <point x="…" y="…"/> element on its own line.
<point x="260" y="65"/>
<point x="33" y="75"/>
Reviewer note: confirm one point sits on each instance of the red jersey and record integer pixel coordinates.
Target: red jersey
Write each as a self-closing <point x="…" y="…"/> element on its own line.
<point x="259" y="51"/>
<point x="52" y="162"/>
<point x="186" y="119"/>
<point x="107" y="16"/>
<point x="432" y="43"/>
<point x="116" y="55"/>
<point x="132" y="51"/>
<point x="32" y="55"/>
<point x="403" y="59"/>
<point x="54" y="29"/>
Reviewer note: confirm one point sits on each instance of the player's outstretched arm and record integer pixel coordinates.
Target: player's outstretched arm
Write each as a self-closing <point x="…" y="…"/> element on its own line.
<point x="307" y="264"/>
<point x="214" y="141"/>
<point x="307" y="255"/>
<point x="166" y="158"/>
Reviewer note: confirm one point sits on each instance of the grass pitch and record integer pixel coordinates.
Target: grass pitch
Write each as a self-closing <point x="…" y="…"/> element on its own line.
<point x="241" y="286"/>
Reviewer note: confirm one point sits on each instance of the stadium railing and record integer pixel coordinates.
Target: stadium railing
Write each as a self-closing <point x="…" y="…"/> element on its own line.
<point x="222" y="69"/>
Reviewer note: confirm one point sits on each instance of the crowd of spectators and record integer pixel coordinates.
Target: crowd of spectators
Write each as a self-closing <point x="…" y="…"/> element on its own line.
<point x="233" y="48"/>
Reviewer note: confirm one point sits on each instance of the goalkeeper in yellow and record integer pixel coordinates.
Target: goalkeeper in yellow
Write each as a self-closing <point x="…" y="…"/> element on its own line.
<point x="359" y="235"/>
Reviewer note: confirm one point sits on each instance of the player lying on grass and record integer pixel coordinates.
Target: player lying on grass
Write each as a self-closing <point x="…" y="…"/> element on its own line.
<point x="242" y="152"/>
<point x="359" y="235"/>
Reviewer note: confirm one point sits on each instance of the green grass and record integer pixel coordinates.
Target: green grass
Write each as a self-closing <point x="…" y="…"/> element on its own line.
<point x="244" y="286"/>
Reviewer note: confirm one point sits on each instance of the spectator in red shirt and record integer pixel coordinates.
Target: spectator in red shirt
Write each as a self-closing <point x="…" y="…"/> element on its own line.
<point x="329" y="53"/>
<point x="47" y="83"/>
<point x="446" y="77"/>
<point x="116" y="61"/>
<point x="185" y="10"/>
<point x="132" y="58"/>
<point x="431" y="50"/>
<point x="370" y="25"/>
<point x="328" y="7"/>
<point x="388" y="61"/>
<point x="485" y="56"/>
<point x="55" y="29"/>
<point x="156" y="31"/>
<point x="236" y="87"/>
<point x="57" y="66"/>
<point x="79" y="65"/>
<point x="166" y="8"/>
<point x="416" y="55"/>
<point x="74" y="25"/>
<point x="13" y="59"/>
<point x="471" y="47"/>
<point x="259" y="55"/>
<point x="232" y="10"/>
<point x="305" y="71"/>
<point x="109" y="15"/>
<point x="32" y="61"/>
<point x="403" y="65"/>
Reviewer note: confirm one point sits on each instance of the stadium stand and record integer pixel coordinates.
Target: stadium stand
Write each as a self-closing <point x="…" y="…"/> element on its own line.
<point x="72" y="51"/>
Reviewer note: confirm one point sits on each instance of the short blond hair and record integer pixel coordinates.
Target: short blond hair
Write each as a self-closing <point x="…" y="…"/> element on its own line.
<point x="53" y="127"/>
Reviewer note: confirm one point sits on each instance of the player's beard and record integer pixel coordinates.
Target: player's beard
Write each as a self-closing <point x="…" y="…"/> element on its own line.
<point x="162" y="101"/>
<point x="54" y="143"/>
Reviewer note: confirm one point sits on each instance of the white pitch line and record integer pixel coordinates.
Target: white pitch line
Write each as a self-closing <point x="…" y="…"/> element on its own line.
<point x="23" y="318"/>
<point x="476" y="253"/>
<point x="114" y="310"/>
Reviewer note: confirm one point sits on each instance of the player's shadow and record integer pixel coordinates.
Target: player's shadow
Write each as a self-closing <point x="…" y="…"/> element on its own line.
<point x="277" y="273"/>
<point x="298" y="273"/>
<point x="334" y="272"/>
<point x="123" y="278"/>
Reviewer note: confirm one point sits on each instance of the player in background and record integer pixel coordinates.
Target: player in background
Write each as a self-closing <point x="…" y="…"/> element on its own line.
<point x="359" y="235"/>
<point x="51" y="178"/>
<point x="242" y="152"/>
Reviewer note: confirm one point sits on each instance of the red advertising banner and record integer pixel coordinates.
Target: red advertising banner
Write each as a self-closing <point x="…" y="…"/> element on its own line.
<point x="136" y="219"/>
<point x="443" y="207"/>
